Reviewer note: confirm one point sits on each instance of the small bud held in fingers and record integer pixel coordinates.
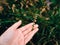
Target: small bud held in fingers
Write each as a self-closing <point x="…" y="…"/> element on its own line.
<point x="33" y="27"/>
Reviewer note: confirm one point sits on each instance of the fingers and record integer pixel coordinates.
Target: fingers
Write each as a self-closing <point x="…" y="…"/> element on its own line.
<point x="29" y="29"/>
<point x="25" y="27"/>
<point x="30" y="35"/>
<point x="35" y="26"/>
<point x="16" y="25"/>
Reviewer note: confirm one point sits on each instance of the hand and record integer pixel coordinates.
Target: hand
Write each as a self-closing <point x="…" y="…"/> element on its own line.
<point x="18" y="36"/>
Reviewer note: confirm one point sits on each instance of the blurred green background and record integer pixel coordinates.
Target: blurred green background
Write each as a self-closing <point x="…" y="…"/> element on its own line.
<point x="45" y="13"/>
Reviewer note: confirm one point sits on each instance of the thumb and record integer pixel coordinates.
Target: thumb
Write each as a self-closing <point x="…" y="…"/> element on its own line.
<point x="16" y="25"/>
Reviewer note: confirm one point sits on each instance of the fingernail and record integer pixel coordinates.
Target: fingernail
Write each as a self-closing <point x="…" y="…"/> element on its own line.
<point x="36" y="25"/>
<point x="20" y="21"/>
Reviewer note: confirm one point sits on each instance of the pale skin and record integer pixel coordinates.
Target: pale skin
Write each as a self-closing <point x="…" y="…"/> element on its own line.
<point x="18" y="36"/>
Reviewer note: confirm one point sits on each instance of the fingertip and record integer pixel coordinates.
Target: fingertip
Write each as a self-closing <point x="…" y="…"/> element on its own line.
<point x="36" y="25"/>
<point x="32" y="23"/>
<point x="17" y="24"/>
<point x="20" y="21"/>
<point x="35" y="30"/>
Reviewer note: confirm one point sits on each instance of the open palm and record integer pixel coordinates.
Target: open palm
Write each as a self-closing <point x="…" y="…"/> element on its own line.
<point x="18" y="36"/>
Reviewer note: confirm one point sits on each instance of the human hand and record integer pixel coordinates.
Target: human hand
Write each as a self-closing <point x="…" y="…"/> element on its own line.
<point x="18" y="36"/>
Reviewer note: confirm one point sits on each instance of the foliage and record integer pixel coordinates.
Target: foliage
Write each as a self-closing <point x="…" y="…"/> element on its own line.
<point x="46" y="13"/>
